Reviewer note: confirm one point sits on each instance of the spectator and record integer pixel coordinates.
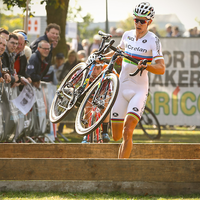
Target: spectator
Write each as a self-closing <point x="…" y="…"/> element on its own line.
<point x="3" y="76"/>
<point x="119" y="32"/>
<point x="168" y="28"/>
<point x="9" y="57"/>
<point x="85" y="43"/>
<point x="191" y="32"/>
<point x="20" y="64"/>
<point x="76" y="45"/>
<point x="153" y="28"/>
<point x="20" y="30"/>
<point x="81" y="56"/>
<point x="68" y="44"/>
<point x="4" y="33"/>
<point x="50" y="75"/>
<point x="175" y="32"/>
<point x="196" y="32"/>
<point x="71" y="62"/>
<point x="37" y="67"/>
<point x="96" y="43"/>
<point x="55" y="71"/>
<point x="55" y="42"/>
<point x="28" y="52"/>
<point x="54" y="45"/>
<point x="113" y="31"/>
<point x="51" y="34"/>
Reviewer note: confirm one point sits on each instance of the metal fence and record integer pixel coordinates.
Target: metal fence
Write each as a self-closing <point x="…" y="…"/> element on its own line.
<point x="14" y="125"/>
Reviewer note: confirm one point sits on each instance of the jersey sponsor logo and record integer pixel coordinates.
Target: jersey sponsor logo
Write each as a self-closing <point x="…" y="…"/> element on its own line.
<point x="135" y="109"/>
<point x="136" y="48"/>
<point x="115" y="114"/>
<point x="130" y="38"/>
<point x="157" y="41"/>
<point x="144" y="41"/>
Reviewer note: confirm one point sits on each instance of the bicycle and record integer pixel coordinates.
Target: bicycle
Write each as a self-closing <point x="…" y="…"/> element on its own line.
<point x="76" y="85"/>
<point x="75" y="90"/>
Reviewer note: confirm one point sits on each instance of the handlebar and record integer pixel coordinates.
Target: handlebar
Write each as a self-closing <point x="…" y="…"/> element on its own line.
<point x="144" y="62"/>
<point x="108" y="45"/>
<point x="106" y="36"/>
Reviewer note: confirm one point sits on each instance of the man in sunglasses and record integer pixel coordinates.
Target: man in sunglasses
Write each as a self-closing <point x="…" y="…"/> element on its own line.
<point x="133" y="90"/>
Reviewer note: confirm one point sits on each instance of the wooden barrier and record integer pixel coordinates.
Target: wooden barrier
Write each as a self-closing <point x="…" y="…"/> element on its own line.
<point x="151" y="151"/>
<point x="156" y="169"/>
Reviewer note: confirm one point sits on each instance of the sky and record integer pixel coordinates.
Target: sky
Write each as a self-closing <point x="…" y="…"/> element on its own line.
<point x="186" y="10"/>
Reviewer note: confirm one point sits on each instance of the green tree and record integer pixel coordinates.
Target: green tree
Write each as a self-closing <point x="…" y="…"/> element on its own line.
<point x="11" y="22"/>
<point x="127" y="24"/>
<point x="56" y="13"/>
<point x="75" y="14"/>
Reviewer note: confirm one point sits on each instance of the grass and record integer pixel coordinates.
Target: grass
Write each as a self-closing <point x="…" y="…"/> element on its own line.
<point x="98" y="196"/>
<point x="168" y="135"/>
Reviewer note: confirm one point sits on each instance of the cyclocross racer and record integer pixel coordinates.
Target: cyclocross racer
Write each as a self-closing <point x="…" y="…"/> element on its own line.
<point x="130" y="103"/>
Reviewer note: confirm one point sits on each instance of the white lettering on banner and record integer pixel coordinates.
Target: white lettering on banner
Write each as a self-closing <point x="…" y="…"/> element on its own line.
<point x="175" y="96"/>
<point x="34" y="26"/>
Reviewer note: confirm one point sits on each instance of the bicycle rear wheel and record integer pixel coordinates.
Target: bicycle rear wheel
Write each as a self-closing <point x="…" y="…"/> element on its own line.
<point x="101" y="103"/>
<point x="61" y="105"/>
<point x="150" y="125"/>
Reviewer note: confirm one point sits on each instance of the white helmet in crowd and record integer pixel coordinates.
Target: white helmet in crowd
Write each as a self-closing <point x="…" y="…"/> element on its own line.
<point x="144" y="9"/>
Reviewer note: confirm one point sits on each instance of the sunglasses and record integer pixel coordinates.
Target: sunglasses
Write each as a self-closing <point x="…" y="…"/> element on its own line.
<point x="142" y="21"/>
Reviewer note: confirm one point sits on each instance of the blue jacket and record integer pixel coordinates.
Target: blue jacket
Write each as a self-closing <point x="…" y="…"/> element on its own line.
<point x="37" y="68"/>
<point x="34" y="46"/>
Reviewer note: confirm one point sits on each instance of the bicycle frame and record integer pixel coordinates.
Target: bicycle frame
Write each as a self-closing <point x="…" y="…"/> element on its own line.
<point x="85" y="86"/>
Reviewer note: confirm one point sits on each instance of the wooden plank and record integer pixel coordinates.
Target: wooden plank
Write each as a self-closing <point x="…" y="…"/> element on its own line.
<point x="151" y="151"/>
<point x="58" y="151"/>
<point x="160" y="170"/>
<point x="132" y="188"/>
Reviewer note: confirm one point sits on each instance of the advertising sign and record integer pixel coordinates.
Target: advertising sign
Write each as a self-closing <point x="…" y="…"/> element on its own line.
<point x="175" y="96"/>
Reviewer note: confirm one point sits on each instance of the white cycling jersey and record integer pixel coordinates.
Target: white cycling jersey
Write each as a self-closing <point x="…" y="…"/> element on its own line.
<point x="133" y="90"/>
<point x="148" y="47"/>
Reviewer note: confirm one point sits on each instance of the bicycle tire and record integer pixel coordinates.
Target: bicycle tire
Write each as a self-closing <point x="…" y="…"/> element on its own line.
<point x="111" y="96"/>
<point x="150" y="124"/>
<point x="61" y="106"/>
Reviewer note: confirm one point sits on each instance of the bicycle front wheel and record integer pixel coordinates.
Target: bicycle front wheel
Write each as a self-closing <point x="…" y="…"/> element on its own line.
<point x="150" y="125"/>
<point x="101" y="103"/>
<point x="61" y="105"/>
